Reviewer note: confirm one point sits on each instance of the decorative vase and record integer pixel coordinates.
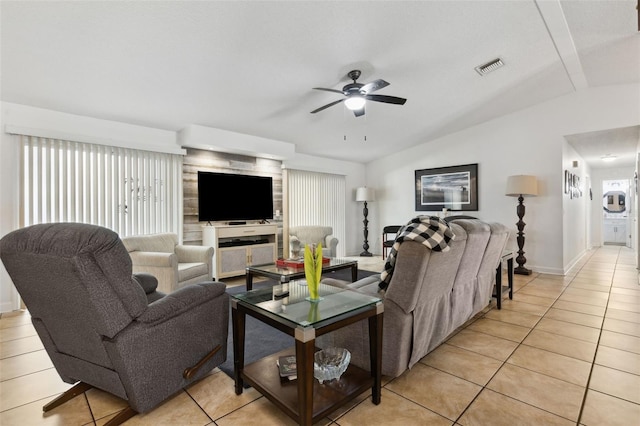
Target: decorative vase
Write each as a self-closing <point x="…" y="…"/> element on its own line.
<point x="313" y="270"/>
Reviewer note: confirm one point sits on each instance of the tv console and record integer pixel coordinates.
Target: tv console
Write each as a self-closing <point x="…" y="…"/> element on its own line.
<point x="237" y="246"/>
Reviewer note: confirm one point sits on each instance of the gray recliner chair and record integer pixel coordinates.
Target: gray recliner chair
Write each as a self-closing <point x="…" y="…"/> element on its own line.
<point x="103" y="327"/>
<point x="299" y="236"/>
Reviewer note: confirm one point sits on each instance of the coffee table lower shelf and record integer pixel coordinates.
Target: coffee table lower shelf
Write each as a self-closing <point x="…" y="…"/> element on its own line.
<point x="327" y="397"/>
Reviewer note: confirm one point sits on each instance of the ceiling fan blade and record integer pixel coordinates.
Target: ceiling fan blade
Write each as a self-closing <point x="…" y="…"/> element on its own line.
<point x="327" y="106"/>
<point x="373" y="86"/>
<point x="386" y="99"/>
<point x="329" y="90"/>
<point x="358" y="112"/>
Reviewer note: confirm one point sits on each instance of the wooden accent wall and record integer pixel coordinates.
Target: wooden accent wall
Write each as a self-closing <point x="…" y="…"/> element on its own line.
<point x="210" y="161"/>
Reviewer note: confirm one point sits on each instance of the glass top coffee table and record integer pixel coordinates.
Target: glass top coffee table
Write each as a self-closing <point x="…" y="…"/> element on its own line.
<point x="286" y="308"/>
<point x="284" y="275"/>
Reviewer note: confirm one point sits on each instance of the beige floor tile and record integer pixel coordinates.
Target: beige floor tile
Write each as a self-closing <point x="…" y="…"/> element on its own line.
<point x="393" y="410"/>
<point x="20" y="346"/>
<point x="178" y="410"/>
<point x="568" y="329"/>
<point x="587" y="293"/>
<point x="620" y="341"/>
<point x="552" y="364"/>
<point x="587" y="300"/>
<point x="580" y="307"/>
<point x="546" y="291"/>
<point x="625" y="298"/>
<point x="534" y="300"/>
<point x="260" y="411"/>
<point x="623" y="327"/>
<point x="17" y="332"/>
<point x="24" y="364"/>
<point x="562" y="345"/>
<point x="526" y="308"/>
<point x="556" y="396"/>
<point x="615" y="383"/>
<point x="594" y="321"/>
<point x="104" y="405"/>
<point x="623" y="315"/>
<point x="440" y="392"/>
<point x="484" y="344"/>
<point x="618" y="359"/>
<point x="622" y="306"/>
<point x="14" y="319"/>
<point x="596" y="281"/>
<point x="590" y="286"/>
<point x="216" y="395"/>
<point x="25" y="389"/>
<point x="73" y="412"/>
<point x="601" y="409"/>
<point x="513" y="317"/>
<point x="627" y="291"/>
<point x="628" y="284"/>
<point x="492" y="408"/>
<point x="501" y="329"/>
<point x="456" y="361"/>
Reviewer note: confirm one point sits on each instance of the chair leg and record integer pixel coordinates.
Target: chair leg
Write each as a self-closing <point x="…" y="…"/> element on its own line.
<point x="76" y="390"/>
<point x="122" y="417"/>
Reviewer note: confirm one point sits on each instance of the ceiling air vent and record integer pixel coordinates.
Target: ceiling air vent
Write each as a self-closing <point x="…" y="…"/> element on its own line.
<point x="489" y="66"/>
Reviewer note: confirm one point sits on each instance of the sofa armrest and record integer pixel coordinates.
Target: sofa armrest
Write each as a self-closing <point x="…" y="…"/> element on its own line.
<point x="182" y="300"/>
<point x="194" y="254"/>
<point x="363" y="285"/>
<point x="331" y="242"/>
<point x="154" y="258"/>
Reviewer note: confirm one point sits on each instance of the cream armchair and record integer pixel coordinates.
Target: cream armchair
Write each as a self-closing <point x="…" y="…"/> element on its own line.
<point x="301" y="235"/>
<point x="173" y="264"/>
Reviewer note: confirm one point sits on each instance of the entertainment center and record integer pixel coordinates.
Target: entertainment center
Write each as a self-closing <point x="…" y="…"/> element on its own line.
<point x="237" y="246"/>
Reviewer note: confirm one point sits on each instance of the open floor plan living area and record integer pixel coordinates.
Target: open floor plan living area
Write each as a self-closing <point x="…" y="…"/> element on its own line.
<point x="329" y="212"/>
<point x="563" y="351"/>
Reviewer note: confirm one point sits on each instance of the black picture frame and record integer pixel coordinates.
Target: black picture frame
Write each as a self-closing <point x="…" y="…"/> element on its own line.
<point x="454" y="188"/>
<point x="566" y="182"/>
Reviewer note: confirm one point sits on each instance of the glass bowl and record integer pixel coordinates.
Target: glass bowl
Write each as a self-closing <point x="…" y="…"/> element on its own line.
<point x="330" y="363"/>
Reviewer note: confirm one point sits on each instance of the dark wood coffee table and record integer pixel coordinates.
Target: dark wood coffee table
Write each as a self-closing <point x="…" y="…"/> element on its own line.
<point x="305" y="399"/>
<point x="284" y="275"/>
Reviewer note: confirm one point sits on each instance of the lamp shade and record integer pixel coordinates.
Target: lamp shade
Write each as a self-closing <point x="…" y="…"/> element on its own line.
<point x="521" y="185"/>
<point x="365" y="194"/>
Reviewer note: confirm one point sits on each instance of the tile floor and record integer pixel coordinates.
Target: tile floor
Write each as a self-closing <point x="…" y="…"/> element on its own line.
<point x="565" y="350"/>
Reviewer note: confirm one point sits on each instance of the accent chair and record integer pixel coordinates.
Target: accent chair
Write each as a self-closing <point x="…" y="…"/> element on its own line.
<point x="103" y="327"/>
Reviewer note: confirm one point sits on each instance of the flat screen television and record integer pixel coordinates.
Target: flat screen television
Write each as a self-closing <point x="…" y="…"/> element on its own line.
<point x="230" y="197"/>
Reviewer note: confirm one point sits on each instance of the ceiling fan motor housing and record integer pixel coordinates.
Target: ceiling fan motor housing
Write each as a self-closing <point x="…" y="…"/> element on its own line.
<point x="352" y="89"/>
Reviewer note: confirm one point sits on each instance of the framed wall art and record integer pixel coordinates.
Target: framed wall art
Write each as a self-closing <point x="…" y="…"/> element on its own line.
<point x="454" y="188"/>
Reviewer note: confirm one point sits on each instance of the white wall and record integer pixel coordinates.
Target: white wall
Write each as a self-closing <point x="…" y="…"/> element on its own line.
<point x="575" y="211"/>
<point x="529" y="141"/>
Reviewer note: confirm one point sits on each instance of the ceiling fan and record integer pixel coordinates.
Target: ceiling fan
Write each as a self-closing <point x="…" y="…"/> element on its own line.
<point x="357" y="94"/>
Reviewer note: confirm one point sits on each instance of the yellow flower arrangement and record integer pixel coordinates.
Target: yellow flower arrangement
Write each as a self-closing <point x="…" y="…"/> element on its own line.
<point x="313" y="270"/>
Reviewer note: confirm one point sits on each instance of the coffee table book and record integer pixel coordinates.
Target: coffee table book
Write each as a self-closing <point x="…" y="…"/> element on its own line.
<point x="287" y="366"/>
<point x="297" y="263"/>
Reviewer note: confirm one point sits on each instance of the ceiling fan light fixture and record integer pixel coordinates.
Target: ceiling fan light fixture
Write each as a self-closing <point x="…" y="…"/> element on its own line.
<point x="354" y="102"/>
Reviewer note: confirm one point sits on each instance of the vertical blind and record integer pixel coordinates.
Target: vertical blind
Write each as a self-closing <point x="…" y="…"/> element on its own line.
<point x="129" y="191"/>
<point x="318" y="199"/>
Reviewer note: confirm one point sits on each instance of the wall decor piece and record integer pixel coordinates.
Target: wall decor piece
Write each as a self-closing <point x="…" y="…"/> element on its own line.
<point x="566" y="182"/>
<point x="454" y="188"/>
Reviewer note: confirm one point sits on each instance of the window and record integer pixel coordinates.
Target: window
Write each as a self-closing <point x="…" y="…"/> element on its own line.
<point x="129" y="191"/>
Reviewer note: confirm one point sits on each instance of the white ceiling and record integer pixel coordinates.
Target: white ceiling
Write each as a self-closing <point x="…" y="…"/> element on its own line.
<point x="250" y="67"/>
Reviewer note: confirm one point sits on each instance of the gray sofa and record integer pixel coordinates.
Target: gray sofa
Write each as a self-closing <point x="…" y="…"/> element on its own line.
<point x="430" y="295"/>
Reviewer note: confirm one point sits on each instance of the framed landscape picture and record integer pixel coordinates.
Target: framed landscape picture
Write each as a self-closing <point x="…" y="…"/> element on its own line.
<point x="454" y="188"/>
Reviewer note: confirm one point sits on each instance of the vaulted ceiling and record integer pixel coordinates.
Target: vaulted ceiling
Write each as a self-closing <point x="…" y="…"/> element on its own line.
<point x="250" y="66"/>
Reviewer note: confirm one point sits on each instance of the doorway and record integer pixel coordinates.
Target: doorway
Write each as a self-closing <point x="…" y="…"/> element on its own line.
<point x="616" y="216"/>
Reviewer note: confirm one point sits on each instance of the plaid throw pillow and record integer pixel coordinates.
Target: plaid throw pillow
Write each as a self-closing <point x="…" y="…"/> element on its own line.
<point x="431" y="231"/>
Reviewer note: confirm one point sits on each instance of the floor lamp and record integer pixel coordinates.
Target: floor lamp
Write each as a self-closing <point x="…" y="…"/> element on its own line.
<point x="521" y="186"/>
<point x="365" y="194"/>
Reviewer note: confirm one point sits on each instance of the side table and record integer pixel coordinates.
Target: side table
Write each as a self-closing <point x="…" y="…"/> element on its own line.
<point x="499" y="290"/>
<point x="305" y="399"/>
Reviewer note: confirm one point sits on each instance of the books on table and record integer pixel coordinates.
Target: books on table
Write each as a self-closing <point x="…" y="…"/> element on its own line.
<point x="287" y="367"/>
